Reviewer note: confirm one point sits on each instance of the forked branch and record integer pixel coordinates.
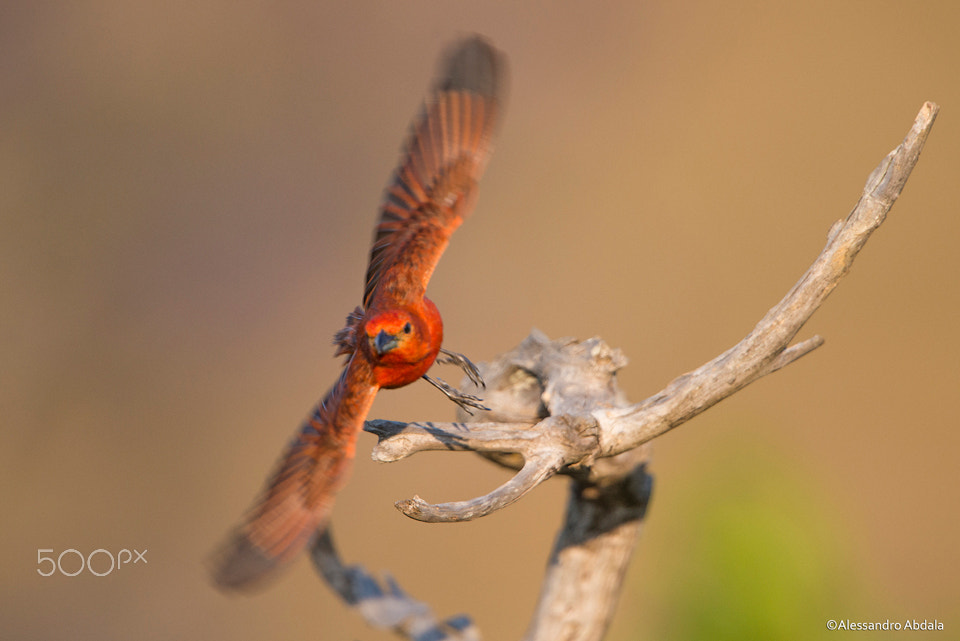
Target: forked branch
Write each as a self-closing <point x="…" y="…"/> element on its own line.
<point x="558" y="411"/>
<point x="595" y="426"/>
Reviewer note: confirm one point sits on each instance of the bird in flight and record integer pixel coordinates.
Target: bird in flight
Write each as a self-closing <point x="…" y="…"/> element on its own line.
<point x="396" y="335"/>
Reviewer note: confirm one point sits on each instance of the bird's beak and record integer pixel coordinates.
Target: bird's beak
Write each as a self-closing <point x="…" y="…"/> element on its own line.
<point x="384" y="342"/>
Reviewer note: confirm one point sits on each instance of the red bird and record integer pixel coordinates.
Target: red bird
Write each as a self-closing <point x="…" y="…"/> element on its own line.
<point x="395" y="337"/>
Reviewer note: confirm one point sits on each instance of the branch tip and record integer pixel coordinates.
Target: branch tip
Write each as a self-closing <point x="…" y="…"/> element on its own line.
<point x="535" y="471"/>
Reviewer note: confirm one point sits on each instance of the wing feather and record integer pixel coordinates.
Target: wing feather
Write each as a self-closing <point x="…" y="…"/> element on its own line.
<point x="299" y="497"/>
<point x="432" y="190"/>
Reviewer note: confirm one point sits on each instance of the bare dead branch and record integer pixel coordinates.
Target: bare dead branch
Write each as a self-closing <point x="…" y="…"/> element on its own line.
<point x="387" y="606"/>
<point x="591" y="554"/>
<point x="587" y="398"/>
<point x="542" y="457"/>
<point x="533" y="473"/>
<point x="763" y="351"/>
<point x="557" y="410"/>
<point x="400" y="440"/>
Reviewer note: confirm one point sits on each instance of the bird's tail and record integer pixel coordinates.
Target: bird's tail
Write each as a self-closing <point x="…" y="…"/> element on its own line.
<point x="297" y="501"/>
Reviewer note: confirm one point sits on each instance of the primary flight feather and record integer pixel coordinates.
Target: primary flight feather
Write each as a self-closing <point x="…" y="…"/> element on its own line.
<point x="394" y="338"/>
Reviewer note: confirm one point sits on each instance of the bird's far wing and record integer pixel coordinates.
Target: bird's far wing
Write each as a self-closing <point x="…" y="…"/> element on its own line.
<point x="299" y="497"/>
<point x="434" y="187"/>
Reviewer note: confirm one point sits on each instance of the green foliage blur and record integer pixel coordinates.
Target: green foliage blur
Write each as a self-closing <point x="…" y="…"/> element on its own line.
<point x="750" y="547"/>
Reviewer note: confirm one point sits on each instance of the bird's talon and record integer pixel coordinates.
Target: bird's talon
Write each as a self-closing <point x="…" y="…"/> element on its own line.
<point x="464" y="400"/>
<point x="464" y="363"/>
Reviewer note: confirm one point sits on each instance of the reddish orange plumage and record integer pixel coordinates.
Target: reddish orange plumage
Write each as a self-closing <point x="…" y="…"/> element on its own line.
<point x="395" y="337"/>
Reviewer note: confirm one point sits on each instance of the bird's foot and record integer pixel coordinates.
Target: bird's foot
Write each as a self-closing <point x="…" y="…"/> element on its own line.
<point x="464" y="363"/>
<point x="464" y="400"/>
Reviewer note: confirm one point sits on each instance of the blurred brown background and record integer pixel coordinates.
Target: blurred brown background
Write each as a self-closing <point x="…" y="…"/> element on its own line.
<point x="187" y="194"/>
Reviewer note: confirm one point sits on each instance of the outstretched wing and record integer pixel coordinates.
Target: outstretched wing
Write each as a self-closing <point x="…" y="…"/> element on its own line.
<point x="434" y="188"/>
<point x="299" y="497"/>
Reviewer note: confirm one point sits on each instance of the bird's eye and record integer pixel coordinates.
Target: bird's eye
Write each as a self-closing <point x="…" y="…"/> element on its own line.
<point x="407" y="328"/>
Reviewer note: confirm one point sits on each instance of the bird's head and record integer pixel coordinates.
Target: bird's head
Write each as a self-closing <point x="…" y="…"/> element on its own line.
<point x="402" y="343"/>
<point x="396" y="336"/>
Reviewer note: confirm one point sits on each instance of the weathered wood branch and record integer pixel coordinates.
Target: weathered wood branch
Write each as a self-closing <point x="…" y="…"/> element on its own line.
<point x="765" y="348"/>
<point x="557" y="410"/>
<point x="542" y="459"/>
<point x="591" y="555"/>
<point x="617" y="428"/>
<point x="385" y="606"/>
<point x="608" y="496"/>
